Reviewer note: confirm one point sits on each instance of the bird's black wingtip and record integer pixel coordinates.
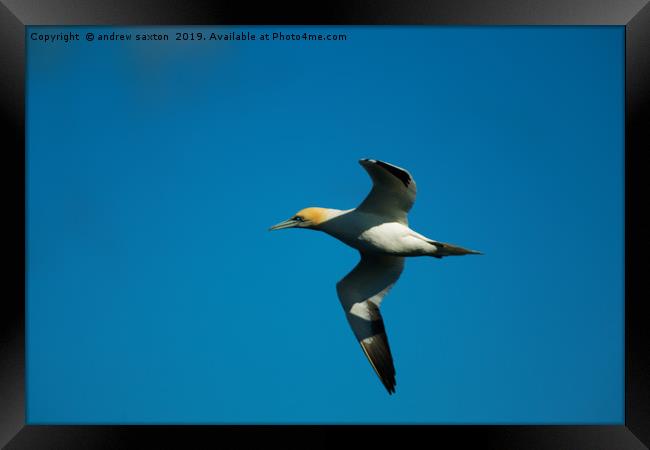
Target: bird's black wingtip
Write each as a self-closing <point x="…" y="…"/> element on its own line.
<point x="389" y="384"/>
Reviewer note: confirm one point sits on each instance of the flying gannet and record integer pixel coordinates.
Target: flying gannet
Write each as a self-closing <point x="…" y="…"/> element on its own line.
<point x="378" y="228"/>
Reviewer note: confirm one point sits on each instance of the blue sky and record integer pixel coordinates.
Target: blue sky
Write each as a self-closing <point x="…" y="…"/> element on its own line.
<point x="155" y="293"/>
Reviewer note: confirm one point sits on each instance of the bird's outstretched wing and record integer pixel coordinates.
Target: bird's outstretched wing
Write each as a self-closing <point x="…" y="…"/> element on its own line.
<point x="393" y="191"/>
<point x="361" y="292"/>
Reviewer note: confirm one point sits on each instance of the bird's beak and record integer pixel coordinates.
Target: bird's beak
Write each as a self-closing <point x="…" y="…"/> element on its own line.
<point x="286" y="224"/>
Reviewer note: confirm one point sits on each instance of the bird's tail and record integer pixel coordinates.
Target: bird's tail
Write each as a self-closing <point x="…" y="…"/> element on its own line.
<point x="444" y="249"/>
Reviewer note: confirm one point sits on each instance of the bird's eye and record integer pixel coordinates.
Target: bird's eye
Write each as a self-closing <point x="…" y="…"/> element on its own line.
<point x="298" y="219"/>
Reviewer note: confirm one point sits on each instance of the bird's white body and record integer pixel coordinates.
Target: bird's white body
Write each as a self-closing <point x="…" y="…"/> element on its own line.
<point x="379" y="229"/>
<point x="372" y="233"/>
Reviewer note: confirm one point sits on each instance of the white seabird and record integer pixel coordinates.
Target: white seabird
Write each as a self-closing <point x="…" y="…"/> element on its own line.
<point x="379" y="229"/>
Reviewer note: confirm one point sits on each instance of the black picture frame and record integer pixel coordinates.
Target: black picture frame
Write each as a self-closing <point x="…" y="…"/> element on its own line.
<point x="15" y="15"/>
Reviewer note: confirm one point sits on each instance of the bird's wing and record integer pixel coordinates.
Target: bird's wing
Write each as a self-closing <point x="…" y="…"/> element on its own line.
<point x="393" y="190"/>
<point x="361" y="292"/>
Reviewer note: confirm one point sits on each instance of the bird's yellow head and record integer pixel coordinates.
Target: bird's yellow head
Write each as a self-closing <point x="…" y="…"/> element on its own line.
<point x="305" y="218"/>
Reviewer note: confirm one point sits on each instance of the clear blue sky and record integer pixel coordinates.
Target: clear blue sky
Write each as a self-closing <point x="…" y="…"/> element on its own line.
<point x="157" y="295"/>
